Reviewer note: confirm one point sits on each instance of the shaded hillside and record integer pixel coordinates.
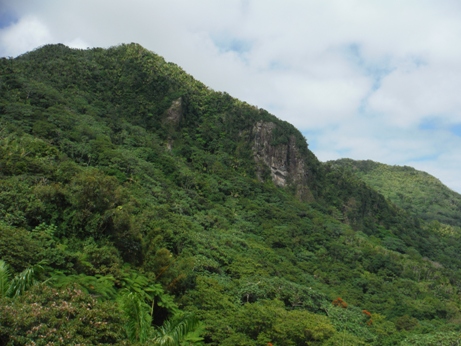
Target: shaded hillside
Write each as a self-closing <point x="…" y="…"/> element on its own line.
<point x="127" y="186"/>
<point x="417" y="192"/>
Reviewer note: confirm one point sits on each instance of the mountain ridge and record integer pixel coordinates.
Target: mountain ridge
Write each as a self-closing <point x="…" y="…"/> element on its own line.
<point x="416" y="191"/>
<point x="116" y="165"/>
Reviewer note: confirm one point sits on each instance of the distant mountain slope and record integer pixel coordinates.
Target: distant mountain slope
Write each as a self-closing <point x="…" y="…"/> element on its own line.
<point x="415" y="191"/>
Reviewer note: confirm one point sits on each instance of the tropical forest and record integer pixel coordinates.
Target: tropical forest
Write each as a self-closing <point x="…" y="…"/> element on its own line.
<point x="140" y="207"/>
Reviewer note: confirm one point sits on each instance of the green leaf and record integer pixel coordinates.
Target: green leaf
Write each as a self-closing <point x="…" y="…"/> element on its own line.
<point x="136" y="311"/>
<point x="171" y="333"/>
<point x="4" y="278"/>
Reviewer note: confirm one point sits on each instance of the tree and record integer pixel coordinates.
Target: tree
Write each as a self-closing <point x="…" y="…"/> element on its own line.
<point x="45" y="316"/>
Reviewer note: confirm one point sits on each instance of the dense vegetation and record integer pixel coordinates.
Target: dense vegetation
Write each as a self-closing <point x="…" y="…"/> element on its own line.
<point x="133" y="211"/>
<point x="418" y="192"/>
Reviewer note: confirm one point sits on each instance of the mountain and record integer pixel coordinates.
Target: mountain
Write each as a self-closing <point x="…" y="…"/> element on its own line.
<point x="415" y="191"/>
<point x="136" y="197"/>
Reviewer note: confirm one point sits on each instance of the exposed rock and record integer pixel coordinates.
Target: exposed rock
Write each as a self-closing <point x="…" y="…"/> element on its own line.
<point x="172" y="118"/>
<point x="174" y="114"/>
<point x="285" y="162"/>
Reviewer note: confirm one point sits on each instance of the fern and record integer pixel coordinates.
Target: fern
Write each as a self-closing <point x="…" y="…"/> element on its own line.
<point x="100" y="286"/>
<point x="194" y="337"/>
<point x="150" y="292"/>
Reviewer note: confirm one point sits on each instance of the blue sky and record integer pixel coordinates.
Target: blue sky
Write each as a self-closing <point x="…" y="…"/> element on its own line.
<point x="7" y="19"/>
<point x="365" y="79"/>
<point x="456" y="129"/>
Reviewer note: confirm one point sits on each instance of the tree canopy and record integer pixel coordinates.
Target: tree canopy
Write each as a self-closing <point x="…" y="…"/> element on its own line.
<point x="137" y="191"/>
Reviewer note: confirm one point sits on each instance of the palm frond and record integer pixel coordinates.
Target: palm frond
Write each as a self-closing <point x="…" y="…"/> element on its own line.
<point x="171" y="333"/>
<point x="136" y="311"/>
<point x="4" y="278"/>
<point x="23" y="281"/>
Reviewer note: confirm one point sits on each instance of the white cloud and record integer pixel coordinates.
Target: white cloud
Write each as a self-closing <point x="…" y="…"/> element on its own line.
<point x="408" y="96"/>
<point x="22" y="36"/>
<point x="359" y="75"/>
<point x="77" y="43"/>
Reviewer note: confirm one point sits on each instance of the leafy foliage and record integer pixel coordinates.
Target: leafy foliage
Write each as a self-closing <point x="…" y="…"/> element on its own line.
<point x="45" y="315"/>
<point x="173" y="332"/>
<point x="20" y="283"/>
<point x="4" y="278"/>
<point x="410" y="189"/>
<point x="139" y="188"/>
<point x="138" y="318"/>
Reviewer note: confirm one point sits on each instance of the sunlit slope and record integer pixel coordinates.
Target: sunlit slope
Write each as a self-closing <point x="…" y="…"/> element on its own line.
<point x="415" y="191"/>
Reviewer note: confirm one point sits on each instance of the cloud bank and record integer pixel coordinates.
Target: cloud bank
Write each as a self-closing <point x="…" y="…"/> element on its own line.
<point x="360" y="78"/>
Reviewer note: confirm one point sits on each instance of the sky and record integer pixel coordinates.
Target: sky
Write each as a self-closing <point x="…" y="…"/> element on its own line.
<point x="362" y="79"/>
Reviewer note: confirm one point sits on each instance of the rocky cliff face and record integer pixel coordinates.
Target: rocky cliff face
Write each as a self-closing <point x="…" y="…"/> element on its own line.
<point x="286" y="164"/>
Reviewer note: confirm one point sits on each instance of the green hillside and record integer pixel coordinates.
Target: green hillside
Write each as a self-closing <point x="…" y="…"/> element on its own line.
<point x="417" y="192"/>
<point x="137" y="204"/>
